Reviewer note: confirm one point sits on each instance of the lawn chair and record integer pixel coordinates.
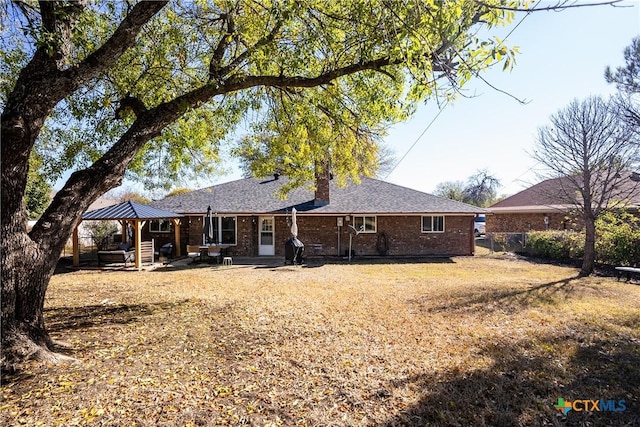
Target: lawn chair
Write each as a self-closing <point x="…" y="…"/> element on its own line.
<point x="215" y="252"/>
<point x="193" y="251"/>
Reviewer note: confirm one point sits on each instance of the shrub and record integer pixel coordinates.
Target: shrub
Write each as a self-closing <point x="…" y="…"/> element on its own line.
<point x="618" y="239"/>
<point x="558" y="245"/>
<point x="101" y="232"/>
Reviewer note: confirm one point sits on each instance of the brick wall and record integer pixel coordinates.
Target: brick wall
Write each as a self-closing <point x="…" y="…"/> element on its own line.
<point x="523" y="222"/>
<point x="320" y="236"/>
<point x="321" y="196"/>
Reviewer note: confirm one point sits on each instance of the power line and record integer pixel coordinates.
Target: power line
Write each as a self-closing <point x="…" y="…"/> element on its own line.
<point x="416" y="141"/>
<point x="447" y="103"/>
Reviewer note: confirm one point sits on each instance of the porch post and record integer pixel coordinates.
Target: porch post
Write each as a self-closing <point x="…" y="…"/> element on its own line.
<point x="76" y="245"/>
<point x="123" y="230"/>
<point x="176" y="232"/>
<point x="138" y="239"/>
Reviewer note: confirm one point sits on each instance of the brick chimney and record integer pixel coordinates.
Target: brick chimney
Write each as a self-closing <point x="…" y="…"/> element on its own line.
<point x="322" y="185"/>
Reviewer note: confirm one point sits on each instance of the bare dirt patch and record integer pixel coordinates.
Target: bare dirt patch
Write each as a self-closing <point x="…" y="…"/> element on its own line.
<point x="462" y="341"/>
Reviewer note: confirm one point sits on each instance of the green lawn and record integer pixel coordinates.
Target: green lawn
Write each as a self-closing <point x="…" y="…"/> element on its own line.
<point x="462" y="341"/>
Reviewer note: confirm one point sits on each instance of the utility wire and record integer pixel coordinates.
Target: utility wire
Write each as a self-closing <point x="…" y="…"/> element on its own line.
<point x="447" y="103"/>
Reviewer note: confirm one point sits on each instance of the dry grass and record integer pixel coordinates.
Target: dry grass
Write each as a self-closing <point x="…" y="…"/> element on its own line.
<point x="465" y="341"/>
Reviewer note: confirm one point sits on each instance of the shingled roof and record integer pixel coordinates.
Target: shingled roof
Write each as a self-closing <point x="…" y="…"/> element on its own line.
<point x="258" y="196"/>
<point x="552" y="194"/>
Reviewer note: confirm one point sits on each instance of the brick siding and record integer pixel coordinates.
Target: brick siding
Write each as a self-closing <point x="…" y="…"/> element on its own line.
<point x="523" y="222"/>
<point x="320" y="236"/>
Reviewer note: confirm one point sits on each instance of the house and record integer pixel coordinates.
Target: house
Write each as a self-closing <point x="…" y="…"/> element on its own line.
<point x="253" y="221"/>
<point x="545" y="206"/>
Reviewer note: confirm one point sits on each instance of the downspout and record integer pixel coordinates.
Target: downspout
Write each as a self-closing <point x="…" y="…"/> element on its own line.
<point x="339" y="233"/>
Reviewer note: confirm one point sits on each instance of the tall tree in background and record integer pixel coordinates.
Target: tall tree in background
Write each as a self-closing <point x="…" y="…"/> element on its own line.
<point x="481" y="189"/>
<point x="152" y="89"/>
<point x="453" y="190"/>
<point x="627" y="80"/>
<point x="592" y="148"/>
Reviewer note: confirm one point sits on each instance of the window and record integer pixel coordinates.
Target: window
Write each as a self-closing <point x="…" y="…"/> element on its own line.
<point x="365" y="224"/>
<point x="225" y="227"/>
<point x="433" y="224"/>
<point x="159" y="226"/>
<point x="228" y="230"/>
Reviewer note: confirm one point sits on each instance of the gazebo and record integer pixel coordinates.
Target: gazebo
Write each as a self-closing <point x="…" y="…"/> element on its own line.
<point x="126" y="213"/>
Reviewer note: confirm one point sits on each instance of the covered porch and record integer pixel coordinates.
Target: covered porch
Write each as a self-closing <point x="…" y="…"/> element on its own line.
<point x="131" y="216"/>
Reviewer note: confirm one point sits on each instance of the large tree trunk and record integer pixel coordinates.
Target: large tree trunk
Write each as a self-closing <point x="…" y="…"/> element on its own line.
<point x="26" y="273"/>
<point x="29" y="259"/>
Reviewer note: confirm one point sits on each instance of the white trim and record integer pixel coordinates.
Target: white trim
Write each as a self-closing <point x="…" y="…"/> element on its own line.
<point x="422" y="230"/>
<point x="267" y="250"/>
<point x="219" y="230"/>
<point x="363" y="216"/>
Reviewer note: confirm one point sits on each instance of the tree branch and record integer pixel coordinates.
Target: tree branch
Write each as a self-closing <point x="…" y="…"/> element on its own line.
<point x="121" y="40"/>
<point x="559" y="6"/>
<point x="215" y="66"/>
<point x="260" y="43"/>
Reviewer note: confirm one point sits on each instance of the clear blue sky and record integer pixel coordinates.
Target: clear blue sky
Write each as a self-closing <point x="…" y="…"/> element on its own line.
<point x="563" y="57"/>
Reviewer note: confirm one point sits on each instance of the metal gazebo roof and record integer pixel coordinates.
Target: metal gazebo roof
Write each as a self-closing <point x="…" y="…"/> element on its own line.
<point x="129" y="210"/>
<point x="124" y="212"/>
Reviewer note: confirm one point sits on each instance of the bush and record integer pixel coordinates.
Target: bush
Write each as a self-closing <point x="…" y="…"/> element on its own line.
<point x="101" y="232"/>
<point x="618" y="239"/>
<point x="562" y="245"/>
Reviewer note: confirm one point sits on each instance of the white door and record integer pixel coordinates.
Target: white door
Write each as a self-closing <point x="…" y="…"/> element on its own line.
<point x="266" y="240"/>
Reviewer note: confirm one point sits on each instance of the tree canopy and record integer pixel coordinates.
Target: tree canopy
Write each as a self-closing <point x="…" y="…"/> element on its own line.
<point x="627" y="81"/>
<point x="302" y="80"/>
<point x="480" y="189"/>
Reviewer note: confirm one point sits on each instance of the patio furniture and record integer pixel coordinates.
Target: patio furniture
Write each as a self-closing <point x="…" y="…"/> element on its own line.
<point x="214" y="252"/>
<point x="628" y="271"/>
<point x="193" y="251"/>
<point x="119" y="256"/>
<point x="227" y="260"/>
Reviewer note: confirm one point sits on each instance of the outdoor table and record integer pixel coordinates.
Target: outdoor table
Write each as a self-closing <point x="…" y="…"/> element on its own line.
<point x="204" y="250"/>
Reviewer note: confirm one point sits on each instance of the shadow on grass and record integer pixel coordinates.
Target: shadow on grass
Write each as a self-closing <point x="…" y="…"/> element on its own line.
<point x="487" y="300"/>
<point x="522" y="387"/>
<point x="61" y="319"/>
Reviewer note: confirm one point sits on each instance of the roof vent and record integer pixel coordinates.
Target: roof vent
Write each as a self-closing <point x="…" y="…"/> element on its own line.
<point x="276" y="176"/>
<point x="635" y="177"/>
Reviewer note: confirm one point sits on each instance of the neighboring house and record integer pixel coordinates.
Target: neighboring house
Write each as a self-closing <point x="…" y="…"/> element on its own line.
<point x="86" y="238"/>
<point x="250" y="218"/>
<point x="545" y="206"/>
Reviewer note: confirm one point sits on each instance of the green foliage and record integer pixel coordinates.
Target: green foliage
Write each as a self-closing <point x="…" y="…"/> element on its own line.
<point x="134" y="197"/>
<point x="38" y="191"/>
<point x="563" y="245"/>
<point x="627" y="78"/>
<point x="618" y="239"/>
<point x="430" y="49"/>
<point x="101" y="232"/>
<point x="178" y="191"/>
